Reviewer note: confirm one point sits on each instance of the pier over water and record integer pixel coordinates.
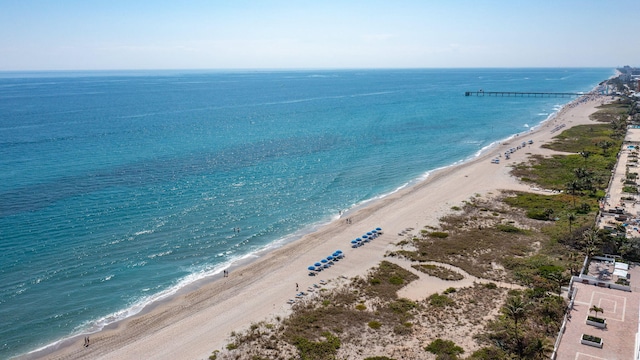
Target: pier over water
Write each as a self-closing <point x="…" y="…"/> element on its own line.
<point x="519" y="94"/>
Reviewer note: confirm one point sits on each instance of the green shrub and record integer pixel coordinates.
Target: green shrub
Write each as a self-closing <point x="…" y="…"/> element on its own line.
<point x="361" y="307"/>
<point x="508" y="228"/>
<point x="318" y="350"/>
<point x="491" y="286"/>
<point x="444" y="347"/>
<point x="438" y="271"/>
<point x="438" y="300"/>
<point x="591" y="338"/>
<point x="379" y="358"/>
<point x="396" y="280"/>
<point x="449" y="290"/>
<point x="595" y="319"/>
<point x="488" y="353"/>
<point x="402" y="330"/>
<point x="375" y="325"/>
<point x="438" y="234"/>
<point x="537" y="214"/>
<point x="583" y="208"/>
<point x="232" y="346"/>
<point x="402" y="306"/>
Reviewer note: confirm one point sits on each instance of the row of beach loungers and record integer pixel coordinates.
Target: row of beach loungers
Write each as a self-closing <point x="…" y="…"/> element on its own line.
<point x="507" y="154"/>
<point x="370" y="235"/>
<point x="338" y="254"/>
<point x="325" y="263"/>
<point x="332" y="259"/>
<point x="302" y="294"/>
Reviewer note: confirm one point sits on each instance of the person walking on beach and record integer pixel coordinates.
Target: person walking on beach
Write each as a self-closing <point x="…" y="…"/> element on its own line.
<point x="296" y="286"/>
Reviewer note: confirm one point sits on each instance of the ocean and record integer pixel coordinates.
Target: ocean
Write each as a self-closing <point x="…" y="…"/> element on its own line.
<point x="118" y="188"/>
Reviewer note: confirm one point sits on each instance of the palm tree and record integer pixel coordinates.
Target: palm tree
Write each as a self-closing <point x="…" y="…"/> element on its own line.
<point x="571" y="217"/>
<point x="619" y="125"/>
<point x="585" y="154"/>
<point x="596" y="310"/>
<point x="604" y="145"/>
<point x="559" y="278"/>
<point x="591" y="241"/>
<point x="574" y="265"/>
<point x="540" y="348"/>
<point x="516" y="310"/>
<point x="573" y="186"/>
<point x="581" y="172"/>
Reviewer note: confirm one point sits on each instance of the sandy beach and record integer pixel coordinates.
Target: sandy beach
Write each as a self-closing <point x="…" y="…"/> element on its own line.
<point x="193" y="324"/>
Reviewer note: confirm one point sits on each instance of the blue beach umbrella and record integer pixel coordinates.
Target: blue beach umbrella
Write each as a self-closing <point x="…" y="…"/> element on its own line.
<point x="358" y="239"/>
<point x="311" y="268"/>
<point x="374" y="231"/>
<point x="379" y="229"/>
<point x="329" y="257"/>
<point x="365" y="236"/>
<point x="324" y="261"/>
<point x="354" y="241"/>
<point x="338" y="251"/>
<point x="335" y="254"/>
<point x="317" y="264"/>
<point x="369" y="233"/>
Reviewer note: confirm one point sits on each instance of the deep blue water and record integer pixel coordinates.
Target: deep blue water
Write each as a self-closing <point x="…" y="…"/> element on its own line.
<point x="117" y="188"/>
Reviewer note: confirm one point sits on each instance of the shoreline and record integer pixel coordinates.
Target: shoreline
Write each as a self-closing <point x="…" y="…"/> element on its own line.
<point x="152" y="331"/>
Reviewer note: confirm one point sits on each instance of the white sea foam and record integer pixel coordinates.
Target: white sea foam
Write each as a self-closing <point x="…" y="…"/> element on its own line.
<point x="160" y="254"/>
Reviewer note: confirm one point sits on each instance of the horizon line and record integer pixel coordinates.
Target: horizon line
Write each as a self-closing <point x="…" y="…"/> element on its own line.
<point x="301" y="69"/>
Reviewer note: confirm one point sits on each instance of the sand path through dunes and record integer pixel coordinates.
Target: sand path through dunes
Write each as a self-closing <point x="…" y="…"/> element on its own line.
<point x="427" y="285"/>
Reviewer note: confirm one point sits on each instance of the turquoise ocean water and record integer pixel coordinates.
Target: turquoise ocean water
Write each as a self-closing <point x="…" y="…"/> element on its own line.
<point x="118" y="188"/>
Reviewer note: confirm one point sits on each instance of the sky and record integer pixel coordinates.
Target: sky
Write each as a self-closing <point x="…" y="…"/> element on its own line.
<point x="320" y="34"/>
